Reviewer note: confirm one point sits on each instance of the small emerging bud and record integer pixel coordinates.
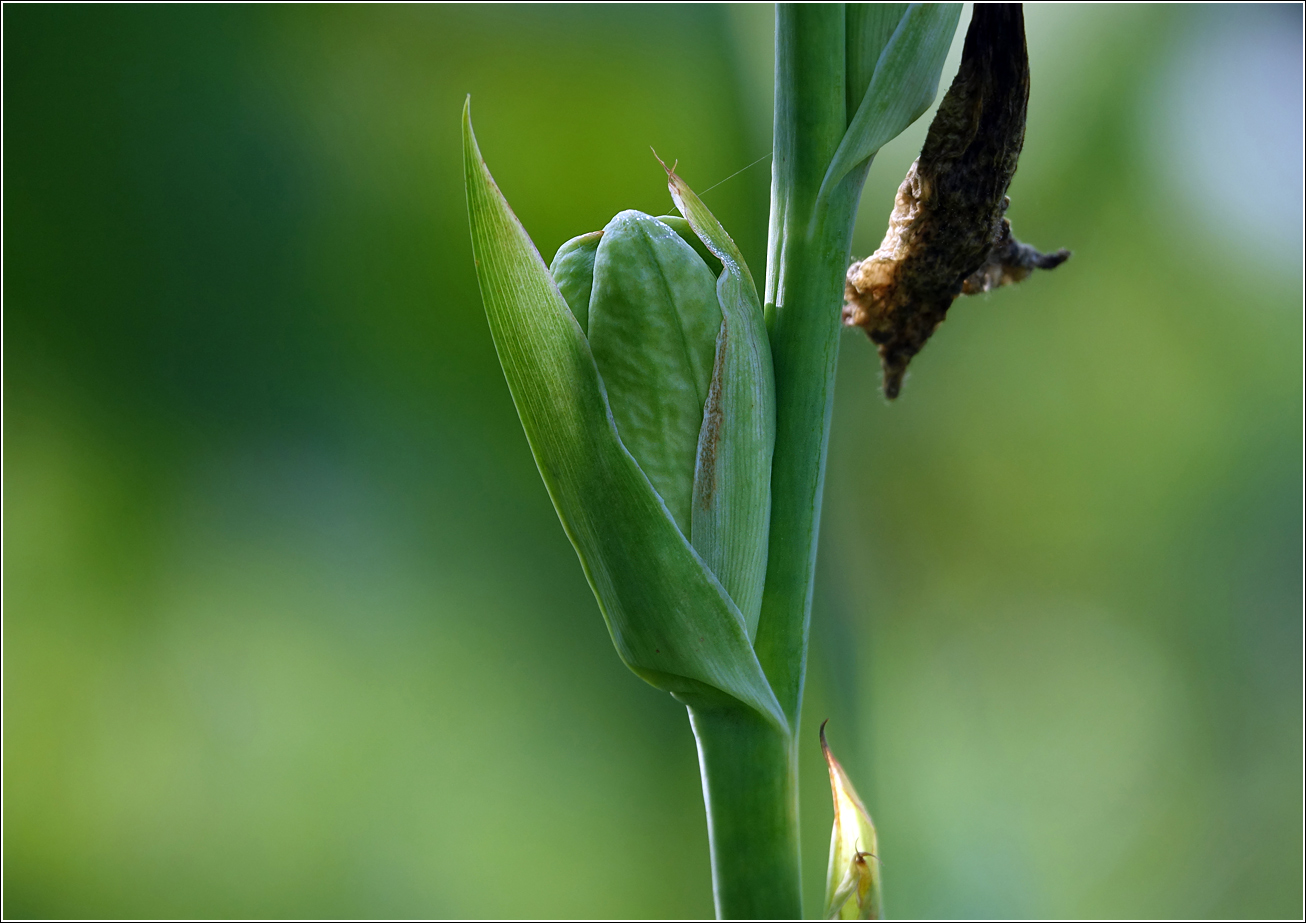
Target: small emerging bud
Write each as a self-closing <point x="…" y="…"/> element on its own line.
<point x="852" y="890"/>
<point x="948" y="234"/>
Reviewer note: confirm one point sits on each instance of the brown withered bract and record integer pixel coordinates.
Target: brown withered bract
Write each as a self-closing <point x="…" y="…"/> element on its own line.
<point x="948" y="234"/>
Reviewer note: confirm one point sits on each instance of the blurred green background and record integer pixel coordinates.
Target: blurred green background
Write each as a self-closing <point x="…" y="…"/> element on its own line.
<point x="291" y="628"/>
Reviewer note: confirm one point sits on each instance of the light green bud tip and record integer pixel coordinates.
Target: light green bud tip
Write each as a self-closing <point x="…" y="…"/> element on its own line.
<point x="852" y="890"/>
<point x="573" y="265"/>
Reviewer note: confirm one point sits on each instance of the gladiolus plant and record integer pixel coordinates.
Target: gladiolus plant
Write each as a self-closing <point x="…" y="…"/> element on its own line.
<point x="679" y="412"/>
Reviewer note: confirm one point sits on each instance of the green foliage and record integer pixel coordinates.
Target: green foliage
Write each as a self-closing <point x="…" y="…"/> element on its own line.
<point x="670" y="620"/>
<point x="732" y="480"/>
<point x="867" y="29"/>
<point x="687" y="371"/>
<point x="681" y="227"/>
<point x="654" y="419"/>
<point x="290" y="625"/>
<point x="904" y="83"/>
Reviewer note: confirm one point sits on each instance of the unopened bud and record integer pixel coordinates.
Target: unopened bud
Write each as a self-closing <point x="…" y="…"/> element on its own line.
<point x="652" y="318"/>
<point x="852" y="890"/>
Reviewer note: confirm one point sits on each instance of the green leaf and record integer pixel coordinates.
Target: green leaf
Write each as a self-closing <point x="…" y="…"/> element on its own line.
<point x="670" y="619"/>
<point x="681" y="227"/>
<point x="732" y="480"/>
<point x="902" y="88"/>
<point x="868" y="28"/>
<point x="652" y="327"/>
<point x="573" y="269"/>
<point x="707" y="229"/>
<point x="852" y="887"/>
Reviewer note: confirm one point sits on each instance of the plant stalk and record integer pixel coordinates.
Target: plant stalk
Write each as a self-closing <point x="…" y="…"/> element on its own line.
<point x="749" y="767"/>
<point x="808" y="253"/>
<point x="750" y="789"/>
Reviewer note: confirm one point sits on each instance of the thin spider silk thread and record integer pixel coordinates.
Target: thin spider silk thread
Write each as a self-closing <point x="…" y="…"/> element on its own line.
<point x="726" y="180"/>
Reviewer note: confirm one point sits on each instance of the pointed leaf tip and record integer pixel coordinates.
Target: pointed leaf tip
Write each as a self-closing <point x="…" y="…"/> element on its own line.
<point x="671" y="170"/>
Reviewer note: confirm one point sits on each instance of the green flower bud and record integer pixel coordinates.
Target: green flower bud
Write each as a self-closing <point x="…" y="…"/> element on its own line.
<point x="653" y="324"/>
<point x="681" y="594"/>
<point x="573" y="270"/>
<point x="690" y="391"/>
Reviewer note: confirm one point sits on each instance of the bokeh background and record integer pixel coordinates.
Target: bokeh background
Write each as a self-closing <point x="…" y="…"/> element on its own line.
<point x="291" y="628"/>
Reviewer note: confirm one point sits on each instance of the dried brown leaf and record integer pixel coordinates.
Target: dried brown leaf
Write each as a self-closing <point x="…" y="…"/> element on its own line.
<point x="948" y="234"/>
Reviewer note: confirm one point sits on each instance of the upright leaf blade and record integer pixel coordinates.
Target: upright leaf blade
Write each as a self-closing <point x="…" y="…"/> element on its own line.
<point x="732" y="481"/>
<point x="868" y="28"/>
<point x="904" y="84"/>
<point x="670" y="620"/>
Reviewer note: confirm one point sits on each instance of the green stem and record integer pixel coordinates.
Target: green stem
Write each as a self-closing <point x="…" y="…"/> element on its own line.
<point x="807" y="257"/>
<point x="750" y="788"/>
<point x="749" y="766"/>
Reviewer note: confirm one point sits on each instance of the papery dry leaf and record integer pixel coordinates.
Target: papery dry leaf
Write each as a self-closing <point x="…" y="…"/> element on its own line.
<point x="948" y="234"/>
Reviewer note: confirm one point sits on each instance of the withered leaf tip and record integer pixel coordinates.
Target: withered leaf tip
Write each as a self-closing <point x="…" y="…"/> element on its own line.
<point x="948" y="234"/>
